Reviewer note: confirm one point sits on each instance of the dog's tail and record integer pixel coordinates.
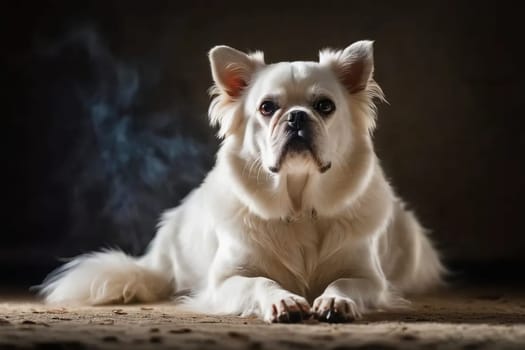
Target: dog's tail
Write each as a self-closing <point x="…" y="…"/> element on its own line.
<point x="105" y="277"/>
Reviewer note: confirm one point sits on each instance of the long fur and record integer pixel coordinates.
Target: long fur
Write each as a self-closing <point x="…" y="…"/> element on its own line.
<point x="250" y="242"/>
<point x="103" y="278"/>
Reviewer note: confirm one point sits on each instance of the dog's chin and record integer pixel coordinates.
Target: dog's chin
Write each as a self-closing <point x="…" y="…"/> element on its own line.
<point x="298" y="156"/>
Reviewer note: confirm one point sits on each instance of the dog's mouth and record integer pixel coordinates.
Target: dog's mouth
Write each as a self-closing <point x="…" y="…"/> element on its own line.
<point x="296" y="145"/>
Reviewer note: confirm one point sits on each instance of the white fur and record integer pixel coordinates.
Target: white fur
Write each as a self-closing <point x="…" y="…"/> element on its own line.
<point x="249" y="241"/>
<point x="105" y="277"/>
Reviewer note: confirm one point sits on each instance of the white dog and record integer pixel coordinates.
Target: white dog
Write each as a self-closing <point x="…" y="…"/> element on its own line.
<point x="295" y="220"/>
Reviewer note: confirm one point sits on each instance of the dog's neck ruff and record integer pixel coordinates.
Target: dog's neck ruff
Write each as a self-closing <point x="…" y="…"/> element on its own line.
<point x="312" y="216"/>
<point x="277" y="196"/>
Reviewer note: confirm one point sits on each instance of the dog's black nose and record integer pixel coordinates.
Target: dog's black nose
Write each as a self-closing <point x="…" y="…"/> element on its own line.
<point x="296" y="119"/>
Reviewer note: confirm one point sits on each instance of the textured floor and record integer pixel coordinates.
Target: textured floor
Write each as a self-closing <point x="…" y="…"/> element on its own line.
<point x="467" y="319"/>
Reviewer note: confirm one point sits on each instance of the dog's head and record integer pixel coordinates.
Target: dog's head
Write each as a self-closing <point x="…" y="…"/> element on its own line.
<point x="294" y="117"/>
<point x="304" y="125"/>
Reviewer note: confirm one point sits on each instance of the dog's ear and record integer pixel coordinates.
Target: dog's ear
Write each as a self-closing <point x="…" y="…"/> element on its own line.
<point x="232" y="69"/>
<point x="354" y="66"/>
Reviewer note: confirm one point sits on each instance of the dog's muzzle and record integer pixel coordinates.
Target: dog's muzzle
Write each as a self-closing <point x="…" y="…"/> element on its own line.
<point x="299" y="138"/>
<point x="298" y="131"/>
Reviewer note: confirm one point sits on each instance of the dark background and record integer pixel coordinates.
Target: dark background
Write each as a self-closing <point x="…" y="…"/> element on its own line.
<point x="106" y="101"/>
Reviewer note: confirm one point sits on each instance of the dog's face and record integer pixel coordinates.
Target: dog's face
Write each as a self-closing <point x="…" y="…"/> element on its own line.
<point x="293" y="117"/>
<point x="291" y="108"/>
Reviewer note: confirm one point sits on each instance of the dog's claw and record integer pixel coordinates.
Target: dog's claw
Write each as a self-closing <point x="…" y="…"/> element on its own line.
<point x="335" y="310"/>
<point x="282" y="318"/>
<point x="290" y="310"/>
<point x="290" y="317"/>
<point x="333" y="316"/>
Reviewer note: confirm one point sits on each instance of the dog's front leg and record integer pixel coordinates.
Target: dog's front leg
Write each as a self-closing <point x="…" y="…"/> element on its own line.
<point x="346" y="298"/>
<point x="257" y="295"/>
<point x="236" y="286"/>
<point x="366" y="287"/>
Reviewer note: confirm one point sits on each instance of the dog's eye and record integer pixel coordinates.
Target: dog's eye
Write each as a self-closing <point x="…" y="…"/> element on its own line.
<point x="268" y="108"/>
<point x="324" y="106"/>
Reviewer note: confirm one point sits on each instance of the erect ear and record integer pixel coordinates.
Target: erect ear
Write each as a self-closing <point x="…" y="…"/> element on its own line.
<point x="354" y="66"/>
<point x="232" y="69"/>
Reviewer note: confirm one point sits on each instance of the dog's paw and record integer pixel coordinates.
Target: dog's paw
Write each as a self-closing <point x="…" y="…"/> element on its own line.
<point x="289" y="309"/>
<point x="335" y="309"/>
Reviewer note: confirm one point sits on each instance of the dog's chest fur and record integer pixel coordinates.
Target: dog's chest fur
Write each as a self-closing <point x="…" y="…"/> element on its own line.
<point x="303" y="255"/>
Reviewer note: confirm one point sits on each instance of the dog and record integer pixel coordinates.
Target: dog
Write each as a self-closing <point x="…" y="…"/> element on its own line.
<point x="295" y="220"/>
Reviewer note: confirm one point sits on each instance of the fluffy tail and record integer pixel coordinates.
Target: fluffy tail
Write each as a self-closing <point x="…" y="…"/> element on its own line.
<point x="105" y="278"/>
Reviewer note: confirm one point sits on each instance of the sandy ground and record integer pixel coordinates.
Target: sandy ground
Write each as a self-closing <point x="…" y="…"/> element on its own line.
<point x="467" y="319"/>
